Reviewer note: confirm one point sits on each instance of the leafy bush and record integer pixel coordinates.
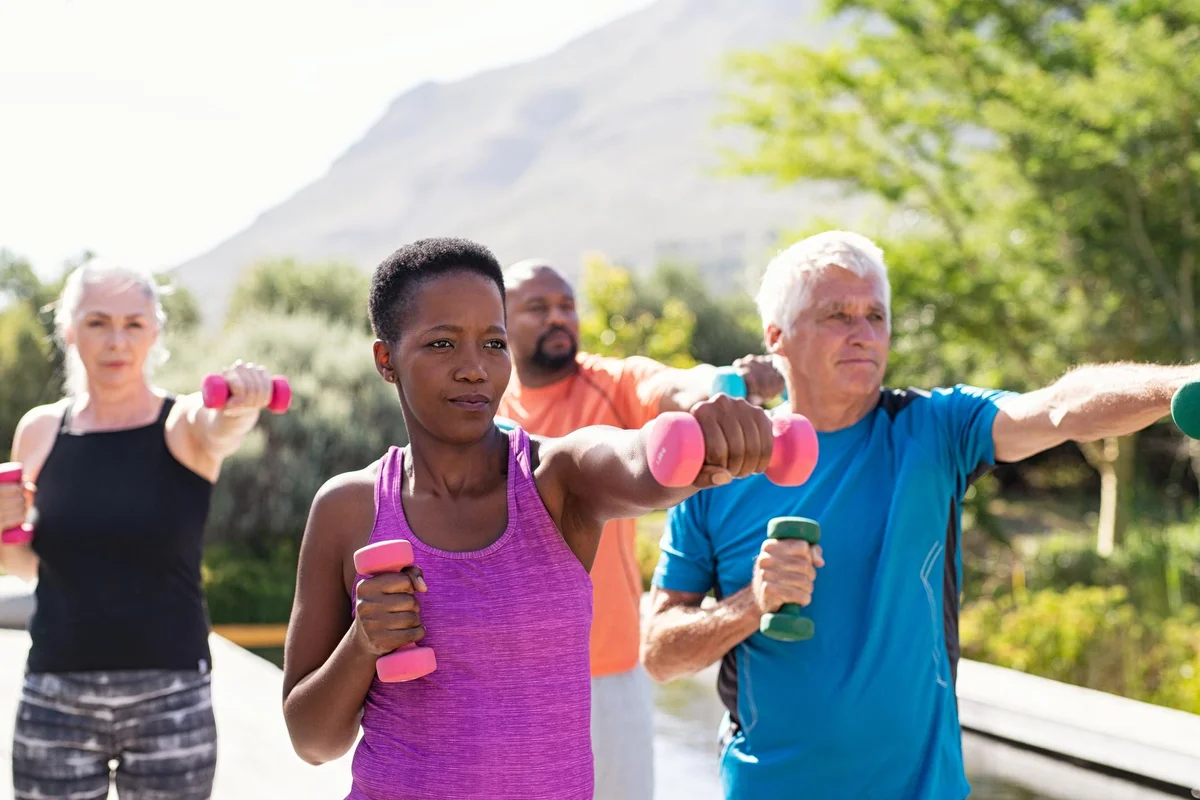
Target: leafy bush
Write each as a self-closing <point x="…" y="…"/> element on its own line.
<point x="1093" y="637"/>
<point x="245" y="587"/>
<point x="332" y="290"/>
<point x="1160" y="567"/>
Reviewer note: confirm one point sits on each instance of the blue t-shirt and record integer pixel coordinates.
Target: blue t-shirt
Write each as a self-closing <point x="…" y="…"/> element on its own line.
<point x="866" y="708"/>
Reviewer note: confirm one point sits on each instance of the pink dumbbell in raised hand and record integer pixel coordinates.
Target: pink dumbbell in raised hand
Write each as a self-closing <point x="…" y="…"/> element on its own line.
<point x="215" y="392"/>
<point x="675" y="449"/>
<point x="12" y="472"/>
<point x="409" y="662"/>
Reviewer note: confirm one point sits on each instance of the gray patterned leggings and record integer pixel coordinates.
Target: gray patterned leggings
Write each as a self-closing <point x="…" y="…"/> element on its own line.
<point x="151" y="730"/>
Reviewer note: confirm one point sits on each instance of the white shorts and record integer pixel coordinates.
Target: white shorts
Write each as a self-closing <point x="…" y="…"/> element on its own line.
<point x="623" y="735"/>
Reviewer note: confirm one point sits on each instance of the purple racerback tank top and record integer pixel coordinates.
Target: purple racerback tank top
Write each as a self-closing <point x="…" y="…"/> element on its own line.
<point x="507" y="712"/>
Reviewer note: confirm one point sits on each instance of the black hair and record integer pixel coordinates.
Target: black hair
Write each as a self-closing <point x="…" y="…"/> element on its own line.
<point x="396" y="280"/>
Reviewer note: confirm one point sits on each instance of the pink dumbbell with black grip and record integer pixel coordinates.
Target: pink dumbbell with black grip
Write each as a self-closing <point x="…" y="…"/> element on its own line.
<point x="411" y="661"/>
<point x="13" y="472"/>
<point x="215" y="392"/>
<point x="675" y="449"/>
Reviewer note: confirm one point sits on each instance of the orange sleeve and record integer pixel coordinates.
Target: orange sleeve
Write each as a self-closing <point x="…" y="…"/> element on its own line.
<point x="637" y="395"/>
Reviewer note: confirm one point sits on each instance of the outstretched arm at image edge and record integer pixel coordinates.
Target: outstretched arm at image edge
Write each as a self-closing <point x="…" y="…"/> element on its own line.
<point x="1088" y="403"/>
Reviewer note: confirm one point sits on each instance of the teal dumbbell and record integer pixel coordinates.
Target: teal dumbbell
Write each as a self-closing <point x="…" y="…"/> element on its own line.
<point x="728" y="381"/>
<point x="786" y="624"/>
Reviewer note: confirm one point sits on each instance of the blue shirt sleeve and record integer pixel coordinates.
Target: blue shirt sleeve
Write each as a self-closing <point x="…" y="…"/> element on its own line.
<point x="686" y="562"/>
<point x="966" y="414"/>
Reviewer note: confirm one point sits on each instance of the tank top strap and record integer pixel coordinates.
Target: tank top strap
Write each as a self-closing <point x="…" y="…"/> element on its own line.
<point x="526" y="510"/>
<point x="65" y="423"/>
<point x="387" y="487"/>
<point x="168" y="402"/>
<point x="520" y="469"/>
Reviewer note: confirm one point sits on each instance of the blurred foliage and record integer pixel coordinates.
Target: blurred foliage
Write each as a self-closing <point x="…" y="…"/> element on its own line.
<point x="247" y="587"/>
<point x="669" y="315"/>
<point x="286" y="286"/>
<point x="1093" y="637"/>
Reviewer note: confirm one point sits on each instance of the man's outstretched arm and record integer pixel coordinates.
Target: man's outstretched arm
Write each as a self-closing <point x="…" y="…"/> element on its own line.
<point x="1088" y="403"/>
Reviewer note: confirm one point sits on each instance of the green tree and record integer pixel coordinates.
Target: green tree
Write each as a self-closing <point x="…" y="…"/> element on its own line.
<point x="726" y="328"/>
<point x="30" y="365"/>
<point x="27" y="368"/>
<point x="179" y="304"/>
<point x="617" y="322"/>
<point x="285" y="286"/>
<point x="1036" y="164"/>
<point x="669" y="315"/>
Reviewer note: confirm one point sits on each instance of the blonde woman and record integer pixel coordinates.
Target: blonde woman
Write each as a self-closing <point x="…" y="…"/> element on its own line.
<point x="119" y="475"/>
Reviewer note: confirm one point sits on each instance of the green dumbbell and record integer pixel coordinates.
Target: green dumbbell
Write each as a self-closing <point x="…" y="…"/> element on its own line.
<point x="786" y="624"/>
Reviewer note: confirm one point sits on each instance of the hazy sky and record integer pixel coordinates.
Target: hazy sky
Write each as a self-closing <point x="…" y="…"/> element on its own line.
<point x="149" y="130"/>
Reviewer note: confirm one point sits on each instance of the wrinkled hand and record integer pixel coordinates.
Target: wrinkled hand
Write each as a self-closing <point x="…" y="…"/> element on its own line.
<point x="737" y="439"/>
<point x="387" y="614"/>
<point x="249" y="387"/>
<point x="784" y="572"/>
<point x="762" y="377"/>
<point x="15" y="502"/>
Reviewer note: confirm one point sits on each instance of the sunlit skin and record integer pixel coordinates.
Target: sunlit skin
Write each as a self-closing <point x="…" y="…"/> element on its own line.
<point x="113" y="330"/>
<point x="542" y="323"/>
<point x="836" y="349"/>
<point x="451" y="366"/>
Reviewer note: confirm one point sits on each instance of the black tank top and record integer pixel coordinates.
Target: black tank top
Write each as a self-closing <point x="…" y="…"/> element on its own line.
<point x="119" y="530"/>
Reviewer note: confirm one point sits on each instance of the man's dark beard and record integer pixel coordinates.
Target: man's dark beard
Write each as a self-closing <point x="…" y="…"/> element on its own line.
<point x="542" y="360"/>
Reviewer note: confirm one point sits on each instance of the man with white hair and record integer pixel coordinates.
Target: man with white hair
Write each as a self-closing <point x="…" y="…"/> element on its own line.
<point x="865" y="708"/>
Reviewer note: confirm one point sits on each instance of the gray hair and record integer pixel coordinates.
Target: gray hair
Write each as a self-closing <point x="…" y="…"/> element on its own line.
<point x="785" y="288"/>
<point x="67" y="306"/>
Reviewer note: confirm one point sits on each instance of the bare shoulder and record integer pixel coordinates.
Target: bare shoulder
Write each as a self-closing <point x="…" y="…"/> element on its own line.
<point x="341" y="520"/>
<point x="348" y="497"/>
<point x="35" y="432"/>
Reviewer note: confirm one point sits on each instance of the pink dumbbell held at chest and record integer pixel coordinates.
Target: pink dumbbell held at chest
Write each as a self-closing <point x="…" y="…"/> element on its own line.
<point x="12" y="472"/>
<point x="410" y="661"/>
<point x="675" y="449"/>
<point x="215" y="392"/>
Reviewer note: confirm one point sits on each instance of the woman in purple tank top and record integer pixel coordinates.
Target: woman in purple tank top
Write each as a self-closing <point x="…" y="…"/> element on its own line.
<point x="503" y="527"/>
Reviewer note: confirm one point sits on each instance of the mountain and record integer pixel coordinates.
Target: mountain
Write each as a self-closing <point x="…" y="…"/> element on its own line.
<point x="607" y="144"/>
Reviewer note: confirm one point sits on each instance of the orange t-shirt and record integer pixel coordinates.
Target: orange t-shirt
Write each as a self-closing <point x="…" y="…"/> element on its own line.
<point x="603" y="391"/>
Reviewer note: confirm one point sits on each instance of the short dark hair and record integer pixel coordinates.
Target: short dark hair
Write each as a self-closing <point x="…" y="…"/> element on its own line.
<point x="396" y="280"/>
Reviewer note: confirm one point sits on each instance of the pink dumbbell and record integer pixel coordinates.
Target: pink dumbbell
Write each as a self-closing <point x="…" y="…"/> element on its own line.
<point x="215" y="391"/>
<point x="675" y="449"/>
<point x="410" y="661"/>
<point x="12" y="472"/>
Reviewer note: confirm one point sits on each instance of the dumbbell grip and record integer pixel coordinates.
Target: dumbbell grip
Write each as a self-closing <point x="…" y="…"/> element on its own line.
<point x="23" y="534"/>
<point x="215" y="392"/>
<point x="14" y="472"/>
<point x="790" y="615"/>
<point x="393" y="555"/>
